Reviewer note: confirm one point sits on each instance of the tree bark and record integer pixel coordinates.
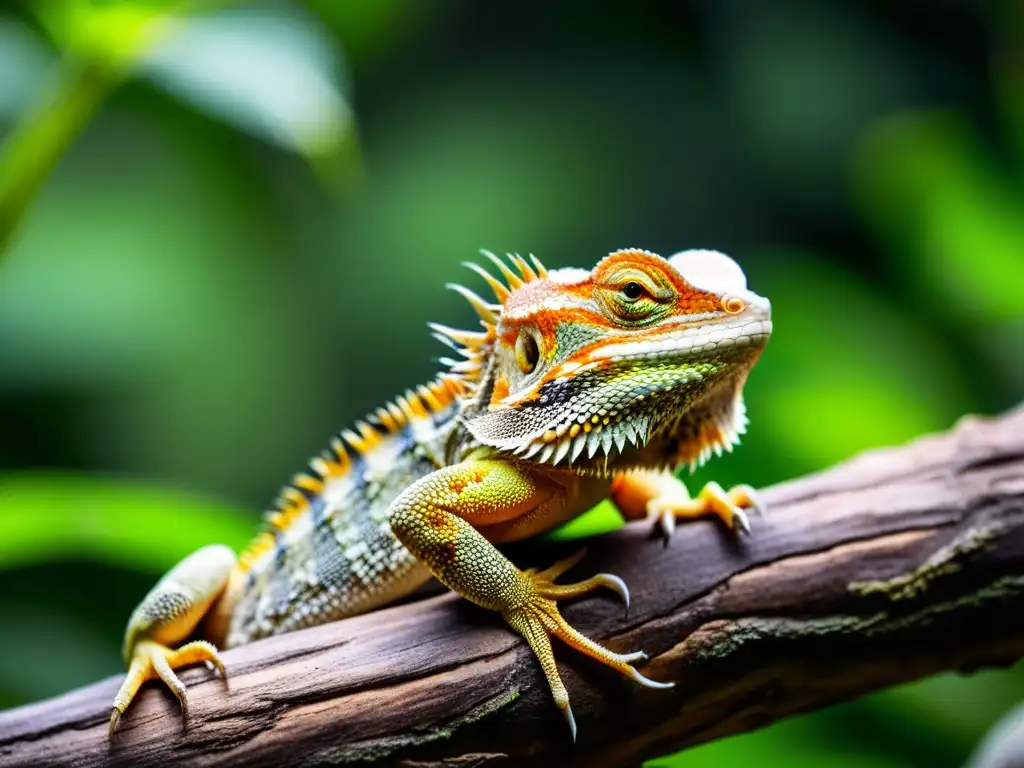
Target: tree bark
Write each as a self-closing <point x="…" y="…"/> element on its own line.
<point x="895" y="565"/>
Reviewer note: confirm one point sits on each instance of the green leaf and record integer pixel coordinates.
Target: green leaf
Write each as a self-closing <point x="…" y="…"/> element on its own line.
<point x="273" y="75"/>
<point x="51" y="515"/>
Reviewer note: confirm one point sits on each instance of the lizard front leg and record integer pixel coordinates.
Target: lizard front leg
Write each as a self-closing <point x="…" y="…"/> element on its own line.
<point x="166" y="616"/>
<point x="664" y="498"/>
<point x="435" y="518"/>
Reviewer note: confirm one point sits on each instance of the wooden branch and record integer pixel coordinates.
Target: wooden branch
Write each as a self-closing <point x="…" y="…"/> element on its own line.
<point x="895" y="565"/>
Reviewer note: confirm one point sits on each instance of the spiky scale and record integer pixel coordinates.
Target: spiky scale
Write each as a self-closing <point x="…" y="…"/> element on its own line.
<point x="450" y="343"/>
<point x="532" y="449"/>
<point x="524" y="269"/>
<point x="630" y="432"/>
<point x="541" y="271"/>
<point x="578" y="444"/>
<point x="433" y="404"/>
<point x="470" y="339"/>
<point x="487" y="312"/>
<point x="510" y="277"/>
<point x="500" y="291"/>
<point x="354" y="440"/>
<point x="561" y="451"/>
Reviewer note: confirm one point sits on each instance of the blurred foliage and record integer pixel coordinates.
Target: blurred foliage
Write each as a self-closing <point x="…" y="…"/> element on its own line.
<point x="224" y="225"/>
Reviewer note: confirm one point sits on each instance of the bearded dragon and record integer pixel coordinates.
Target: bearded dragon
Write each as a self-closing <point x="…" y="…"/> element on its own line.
<point x="580" y="386"/>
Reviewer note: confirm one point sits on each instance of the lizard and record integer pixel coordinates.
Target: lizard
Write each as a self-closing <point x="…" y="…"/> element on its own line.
<point x="580" y="385"/>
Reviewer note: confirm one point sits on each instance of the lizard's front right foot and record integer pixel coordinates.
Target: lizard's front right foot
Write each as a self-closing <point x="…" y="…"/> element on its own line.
<point x="151" y="660"/>
<point x="673" y="503"/>
<point x="534" y="614"/>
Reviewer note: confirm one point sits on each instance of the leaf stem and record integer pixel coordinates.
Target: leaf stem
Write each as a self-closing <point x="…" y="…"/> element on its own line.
<point x="44" y="133"/>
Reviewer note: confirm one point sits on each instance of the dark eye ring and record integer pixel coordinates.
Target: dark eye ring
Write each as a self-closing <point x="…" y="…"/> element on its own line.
<point x="632" y="290"/>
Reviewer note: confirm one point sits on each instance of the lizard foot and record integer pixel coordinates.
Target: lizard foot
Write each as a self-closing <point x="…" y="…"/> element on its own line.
<point x="151" y="660"/>
<point x="536" y="617"/>
<point x="674" y="503"/>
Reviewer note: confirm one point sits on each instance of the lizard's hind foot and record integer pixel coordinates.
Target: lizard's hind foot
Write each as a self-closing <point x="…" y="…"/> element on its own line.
<point x="168" y="615"/>
<point x="536" y="617"/>
<point x="151" y="660"/>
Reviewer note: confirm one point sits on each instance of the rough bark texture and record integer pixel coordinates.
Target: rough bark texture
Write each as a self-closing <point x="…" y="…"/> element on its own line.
<point x="895" y="565"/>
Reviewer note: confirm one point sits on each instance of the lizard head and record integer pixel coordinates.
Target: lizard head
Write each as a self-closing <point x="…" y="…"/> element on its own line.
<point x="588" y="367"/>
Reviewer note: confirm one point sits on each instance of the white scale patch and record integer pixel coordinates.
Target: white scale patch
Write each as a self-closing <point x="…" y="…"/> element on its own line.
<point x="569" y="276"/>
<point x="553" y="303"/>
<point x="710" y="271"/>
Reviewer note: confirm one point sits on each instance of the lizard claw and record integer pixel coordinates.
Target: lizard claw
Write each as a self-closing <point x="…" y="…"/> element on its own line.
<point x="152" y="660"/>
<point x="667" y="519"/>
<point x="537" y="618"/>
<point x="712" y="499"/>
<point x="752" y="498"/>
<point x="567" y="713"/>
<point x="740" y="522"/>
<point x="616" y="585"/>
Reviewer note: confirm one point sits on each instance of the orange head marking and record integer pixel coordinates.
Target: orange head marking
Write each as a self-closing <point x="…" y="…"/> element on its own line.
<point x="640" y="288"/>
<point x="591" y="360"/>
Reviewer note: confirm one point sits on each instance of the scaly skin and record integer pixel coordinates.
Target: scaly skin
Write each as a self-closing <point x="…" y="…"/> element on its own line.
<point x="581" y="386"/>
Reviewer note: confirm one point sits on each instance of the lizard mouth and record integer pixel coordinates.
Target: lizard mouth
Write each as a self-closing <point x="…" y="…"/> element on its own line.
<point x="686" y="343"/>
<point x="704" y="341"/>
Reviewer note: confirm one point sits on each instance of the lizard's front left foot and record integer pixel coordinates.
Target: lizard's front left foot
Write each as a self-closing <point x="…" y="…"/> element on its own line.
<point x="151" y="660"/>
<point x="533" y="612"/>
<point x="673" y="503"/>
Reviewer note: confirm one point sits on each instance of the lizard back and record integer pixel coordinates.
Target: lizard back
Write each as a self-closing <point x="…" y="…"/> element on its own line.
<point x="327" y="550"/>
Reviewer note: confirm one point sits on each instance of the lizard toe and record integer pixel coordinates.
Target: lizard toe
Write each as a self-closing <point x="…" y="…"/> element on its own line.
<point x="537" y="618"/>
<point x="151" y="660"/>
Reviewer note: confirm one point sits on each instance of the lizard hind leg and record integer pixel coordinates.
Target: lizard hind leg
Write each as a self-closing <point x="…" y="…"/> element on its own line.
<point x="167" y="615"/>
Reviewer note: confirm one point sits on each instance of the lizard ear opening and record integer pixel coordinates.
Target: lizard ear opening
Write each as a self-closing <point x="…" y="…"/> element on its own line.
<point x="527" y="352"/>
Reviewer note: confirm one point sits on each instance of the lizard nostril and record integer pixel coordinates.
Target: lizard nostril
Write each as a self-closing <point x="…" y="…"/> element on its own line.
<point x="733" y="305"/>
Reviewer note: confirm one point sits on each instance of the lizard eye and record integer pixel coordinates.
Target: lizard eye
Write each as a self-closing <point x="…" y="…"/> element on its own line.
<point x="633" y="294"/>
<point x="527" y="352"/>
<point x="633" y="301"/>
<point x="632" y="290"/>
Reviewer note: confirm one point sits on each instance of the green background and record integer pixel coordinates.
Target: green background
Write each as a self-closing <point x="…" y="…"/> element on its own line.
<point x="224" y="227"/>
